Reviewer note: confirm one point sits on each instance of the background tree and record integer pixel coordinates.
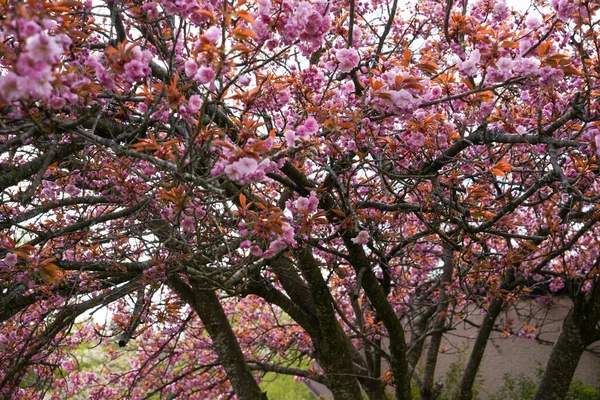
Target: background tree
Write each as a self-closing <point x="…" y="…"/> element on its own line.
<point x="251" y="186"/>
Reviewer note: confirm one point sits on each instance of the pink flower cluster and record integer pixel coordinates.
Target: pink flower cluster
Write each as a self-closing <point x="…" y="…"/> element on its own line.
<point x="33" y="75"/>
<point x="348" y="59"/>
<point x="401" y="93"/>
<point x="507" y="67"/>
<point x="469" y="66"/>
<point x="564" y="8"/>
<point x="138" y="67"/>
<point x="277" y="243"/>
<point x="557" y="284"/>
<point x="132" y="66"/>
<point x="550" y="76"/>
<point x="180" y="7"/>
<point x="11" y="259"/>
<point x="247" y="170"/>
<point x="361" y="238"/>
<point x="304" y="204"/>
<point x="103" y="76"/>
<point x="241" y="167"/>
<point x="201" y="75"/>
<point x="282" y="241"/>
<point x="306" y="21"/>
<point x="302" y="132"/>
<point x="194" y="104"/>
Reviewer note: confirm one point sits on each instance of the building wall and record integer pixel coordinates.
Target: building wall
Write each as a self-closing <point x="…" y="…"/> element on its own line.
<point x="513" y="351"/>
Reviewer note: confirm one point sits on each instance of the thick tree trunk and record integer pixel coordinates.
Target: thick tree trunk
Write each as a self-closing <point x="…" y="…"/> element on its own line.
<point x="580" y="330"/>
<point x="333" y="349"/>
<point x="563" y="361"/>
<point x="466" y="384"/>
<point x="208" y="307"/>
<point x="303" y="315"/>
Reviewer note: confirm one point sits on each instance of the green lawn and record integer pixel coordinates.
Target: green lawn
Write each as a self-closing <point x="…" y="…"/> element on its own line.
<point x="284" y="387"/>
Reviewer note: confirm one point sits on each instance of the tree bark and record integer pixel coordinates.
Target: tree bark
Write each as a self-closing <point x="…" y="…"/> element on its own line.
<point x="563" y="361"/>
<point x="580" y="329"/>
<point x="333" y="350"/>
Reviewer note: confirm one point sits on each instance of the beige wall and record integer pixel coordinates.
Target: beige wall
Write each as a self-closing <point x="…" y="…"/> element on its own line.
<point x="515" y="355"/>
<point x="508" y="352"/>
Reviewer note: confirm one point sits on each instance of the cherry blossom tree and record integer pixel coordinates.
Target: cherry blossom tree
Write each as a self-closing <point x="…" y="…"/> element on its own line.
<point x="247" y="187"/>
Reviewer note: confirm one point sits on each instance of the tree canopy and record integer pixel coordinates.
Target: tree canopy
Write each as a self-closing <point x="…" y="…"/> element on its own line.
<point x="256" y="186"/>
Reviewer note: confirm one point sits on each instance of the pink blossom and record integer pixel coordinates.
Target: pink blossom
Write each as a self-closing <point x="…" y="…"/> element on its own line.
<point x="34" y="69"/>
<point x="180" y="7"/>
<point x="527" y="66"/>
<point x="550" y="76"/>
<point x="135" y="70"/>
<point x="187" y="224"/>
<point x="194" y="104"/>
<point x="313" y="202"/>
<point x="504" y="64"/>
<point x="495" y="75"/>
<point x="199" y="211"/>
<point x="205" y="75"/>
<point x="256" y="251"/>
<point x="283" y="97"/>
<point x="500" y="11"/>
<point x="191" y="67"/>
<point x="167" y="213"/>
<point x="469" y="68"/>
<point x="402" y="98"/>
<point x="290" y="137"/>
<point x="38" y="89"/>
<point x="533" y="21"/>
<point x="144" y="56"/>
<point x="557" y="284"/>
<point x="103" y="76"/>
<point x="308" y="204"/>
<point x="11" y="87"/>
<point x="247" y="165"/>
<point x="475" y="56"/>
<point x="311" y="125"/>
<point x="43" y="48"/>
<point x="361" y="238"/>
<point x="302" y="133"/>
<point x="348" y="59"/>
<point x="56" y="102"/>
<point x="68" y="365"/>
<point x="417" y="140"/>
<point x="564" y="8"/>
<point x="264" y="7"/>
<point x="241" y="169"/>
<point x="11" y="259"/>
<point x="348" y="88"/>
<point x="301" y="203"/>
<point x="28" y="28"/>
<point x="212" y="34"/>
<point x="435" y="92"/>
<point x="72" y="190"/>
<point x="244" y="80"/>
